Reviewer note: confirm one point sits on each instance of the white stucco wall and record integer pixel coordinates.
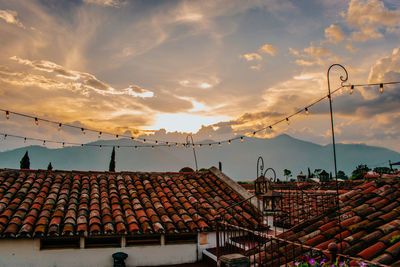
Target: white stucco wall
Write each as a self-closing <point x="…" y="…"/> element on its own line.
<point x="211" y="242"/>
<point x="25" y="252"/>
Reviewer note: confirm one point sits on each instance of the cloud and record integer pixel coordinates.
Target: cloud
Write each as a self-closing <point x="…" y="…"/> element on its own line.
<point x="200" y="82"/>
<point x="251" y="56"/>
<point x="10" y="17"/>
<point x="317" y="51"/>
<point x="334" y="34"/>
<point x="302" y="62"/>
<point x="370" y="18"/>
<point x="312" y="55"/>
<point x="351" y="48"/>
<point x="111" y="3"/>
<point x="268" y="49"/>
<point x="256" y="67"/>
<point x="75" y="80"/>
<point x="294" y="51"/>
<point x="386" y="69"/>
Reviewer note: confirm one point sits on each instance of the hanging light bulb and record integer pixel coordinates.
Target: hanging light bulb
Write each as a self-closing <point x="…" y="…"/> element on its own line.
<point x="229" y="142"/>
<point x="36" y="121"/>
<point x="241" y="139"/>
<point x="306" y="110"/>
<point x="59" y="126"/>
<point x="83" y="130"/>
<point x="7" y="115"/>
<point x="351" y="89"/>
<point x="100" y="133"/>
<point x="381" y="88"/>
<point x="116" y="137"/>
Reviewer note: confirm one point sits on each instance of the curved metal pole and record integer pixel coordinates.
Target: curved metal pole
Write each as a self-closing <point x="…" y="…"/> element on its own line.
<point x="274" y="180"/>
<point x="343" y="79"/>
<point x="194" y="150"/>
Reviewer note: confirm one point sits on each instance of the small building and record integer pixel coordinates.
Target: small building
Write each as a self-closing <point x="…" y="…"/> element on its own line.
<point x="75" y="218"/>
<point x="323" y="176"/>
<point x="301" y="177"/>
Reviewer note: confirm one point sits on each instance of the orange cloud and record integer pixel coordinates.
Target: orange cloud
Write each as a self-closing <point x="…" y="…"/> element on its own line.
<point x="251" y="56"/>
<point x="334" y="34"/>
<point x="10" y="17"/>
<point x="268" y="49"/>
<point x="368" y="17"/>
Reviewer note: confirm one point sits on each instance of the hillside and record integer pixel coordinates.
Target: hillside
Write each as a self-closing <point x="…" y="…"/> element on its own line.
<point x="238" y="160"/>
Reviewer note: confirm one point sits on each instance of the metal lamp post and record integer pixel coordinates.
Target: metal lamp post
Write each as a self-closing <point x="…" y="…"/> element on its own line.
<point x="343" y="79"/>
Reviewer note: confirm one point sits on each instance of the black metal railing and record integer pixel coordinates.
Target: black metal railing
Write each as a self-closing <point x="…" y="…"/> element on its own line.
<point x="234" y="240"/>
<point x="265" y="249"/>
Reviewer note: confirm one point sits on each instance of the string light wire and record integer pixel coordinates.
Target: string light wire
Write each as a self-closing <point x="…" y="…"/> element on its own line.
<point x="167" y="143"/>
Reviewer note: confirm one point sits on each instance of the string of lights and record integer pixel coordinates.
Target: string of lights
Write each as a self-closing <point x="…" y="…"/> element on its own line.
<point x="158" y="143"/>
<point x="47" y="141"/>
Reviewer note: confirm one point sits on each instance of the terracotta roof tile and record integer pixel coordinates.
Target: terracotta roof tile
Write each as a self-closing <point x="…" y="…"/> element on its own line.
<point x="370" y="223"/>
<point x="35" y="203"/>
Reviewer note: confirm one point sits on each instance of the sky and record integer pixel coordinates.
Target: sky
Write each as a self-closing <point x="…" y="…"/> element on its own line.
<point x="215" y="69"/>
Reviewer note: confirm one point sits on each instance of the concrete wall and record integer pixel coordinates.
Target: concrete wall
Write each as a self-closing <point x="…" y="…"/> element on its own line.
<point x="26" y="252"/>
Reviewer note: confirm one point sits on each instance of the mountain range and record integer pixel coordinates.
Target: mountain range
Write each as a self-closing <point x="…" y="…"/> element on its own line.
<point x="239" y="160"/>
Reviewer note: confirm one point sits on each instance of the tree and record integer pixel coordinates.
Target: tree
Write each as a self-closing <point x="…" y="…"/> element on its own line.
<point x="310" y="175"/>
<point x="25" y="163"/>
<point x="342" y="175"/>
<point x="382" y="170"/>
<point x="49" y="167"/>
<point x="287" y="173"/>
<point x="186" y="169"/>
<point x="111" y="168"/>
<point x="359" y="172"/>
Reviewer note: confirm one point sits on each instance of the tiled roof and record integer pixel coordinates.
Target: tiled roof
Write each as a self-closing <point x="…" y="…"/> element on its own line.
<point x="52" y="203"/>
<point x="297" y="206"/>
<point x="370" y="224"/>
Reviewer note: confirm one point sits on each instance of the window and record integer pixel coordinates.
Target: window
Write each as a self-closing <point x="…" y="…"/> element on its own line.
<point x="102" y="242"/>
<point x="143" y="240"/>
<point x="180" y="239"/>
<point x="59" y="242"/>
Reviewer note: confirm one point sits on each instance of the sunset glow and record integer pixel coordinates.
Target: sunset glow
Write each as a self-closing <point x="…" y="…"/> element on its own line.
<point x="218" y="68"/>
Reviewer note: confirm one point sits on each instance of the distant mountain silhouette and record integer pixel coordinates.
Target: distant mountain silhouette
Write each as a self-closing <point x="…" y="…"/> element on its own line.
<point x="238" y="159"/>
